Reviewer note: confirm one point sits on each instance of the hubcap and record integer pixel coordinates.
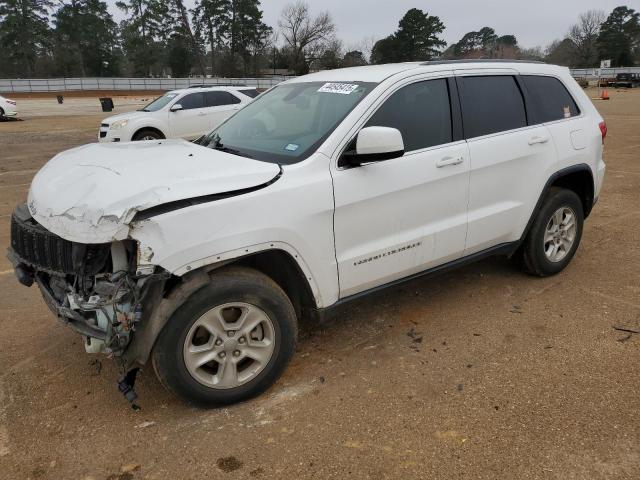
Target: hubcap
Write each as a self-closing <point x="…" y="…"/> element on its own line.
<point x="229" y="345"/>
<point x="560" y="234"/>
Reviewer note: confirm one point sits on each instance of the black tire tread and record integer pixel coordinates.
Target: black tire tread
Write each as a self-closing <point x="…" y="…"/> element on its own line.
<point x="224" y="279"/>
<point x="141" y="133"/>
<point x="529" y="257"/>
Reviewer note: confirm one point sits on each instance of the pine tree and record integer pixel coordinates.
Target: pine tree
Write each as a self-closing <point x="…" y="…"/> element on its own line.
<point x="143" y="33"/>
<point x="86" y="39"/>
<point x="619" y="35"/>
<point x="416" y="39"/>
<point x="211" y="23"/>
<point x="24" y="35"/>
<point x="249" y="34"/>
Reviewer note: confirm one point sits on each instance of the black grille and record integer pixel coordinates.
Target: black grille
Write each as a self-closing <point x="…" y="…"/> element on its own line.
<point x="43" y="250"/>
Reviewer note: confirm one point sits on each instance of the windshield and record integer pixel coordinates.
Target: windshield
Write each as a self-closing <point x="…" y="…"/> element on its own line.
<point x="159" y="102"/>
<point x="286" y="124"/>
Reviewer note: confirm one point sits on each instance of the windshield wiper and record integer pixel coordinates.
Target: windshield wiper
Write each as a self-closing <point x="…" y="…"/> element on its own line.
<point x="216" y="144"/>
<point x="232" y="151"/>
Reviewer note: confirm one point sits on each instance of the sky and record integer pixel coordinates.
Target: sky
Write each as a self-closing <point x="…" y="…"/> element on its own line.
<point x="533" y="22"/>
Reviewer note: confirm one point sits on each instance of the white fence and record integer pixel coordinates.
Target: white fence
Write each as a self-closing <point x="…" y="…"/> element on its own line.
<point x="592" y="73"/>
<point x="71" y="84"/>
<point x="74" y="84"/>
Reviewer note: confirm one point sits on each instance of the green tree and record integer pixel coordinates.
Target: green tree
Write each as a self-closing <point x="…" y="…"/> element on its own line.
<point x="183" y="41"/>
<point x="24" y="35"/>
<point x="248" y="34"/>
<point x="211" y="23"/>
<point x="620" y="36"/>
<point x="484" y="43"/>
<point x="417" y="38"/>
<point x="560" y="52"/>
<point x="86" y="39"/>
<point x="417" y="35"/>
<point x="354" y="58"/>
<point x="143" y="34"/>
<point x="385" y="51"/>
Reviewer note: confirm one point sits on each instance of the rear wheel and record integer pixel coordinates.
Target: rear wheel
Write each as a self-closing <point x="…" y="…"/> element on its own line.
<point x="555" y="235"/>
<point x="147" y="135"/>
<point x="229" y="341"/>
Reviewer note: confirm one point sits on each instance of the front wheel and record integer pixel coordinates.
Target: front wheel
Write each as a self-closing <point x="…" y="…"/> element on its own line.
<point x="229" y="341"/>
<point x="147" y="135"/>
<point x="555" y="235"/>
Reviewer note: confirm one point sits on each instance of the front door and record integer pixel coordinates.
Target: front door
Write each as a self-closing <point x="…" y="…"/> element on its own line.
<point x="192" y="120"/>
<point x="220" y="106"/>
<point x="405" y="215"/>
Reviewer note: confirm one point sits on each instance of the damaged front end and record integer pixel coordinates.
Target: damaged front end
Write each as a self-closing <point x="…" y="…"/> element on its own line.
<point x="96" y="289"/>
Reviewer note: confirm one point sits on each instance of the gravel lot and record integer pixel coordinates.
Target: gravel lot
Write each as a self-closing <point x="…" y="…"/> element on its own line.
<point x="482" y="373"/>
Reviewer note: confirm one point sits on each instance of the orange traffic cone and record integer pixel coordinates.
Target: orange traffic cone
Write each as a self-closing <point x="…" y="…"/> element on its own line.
<point x="604" y="95"/>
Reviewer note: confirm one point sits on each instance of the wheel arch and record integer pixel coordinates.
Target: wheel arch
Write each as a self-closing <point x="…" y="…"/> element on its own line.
<point x="147" y="127"/>
<point x="577" y="178"/>
<point x="277" y="264"/>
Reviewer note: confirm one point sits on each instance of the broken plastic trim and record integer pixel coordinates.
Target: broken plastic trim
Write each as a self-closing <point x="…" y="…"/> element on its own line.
<point x="190" y="202"/>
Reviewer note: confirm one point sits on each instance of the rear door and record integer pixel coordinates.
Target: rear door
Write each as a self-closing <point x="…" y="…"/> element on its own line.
<point x="574" y="135"/>
<point x="192" y="120"/>
<point x="220" y="106"/>
<point x="511" y="159"/>
<point x="405" y="215"/>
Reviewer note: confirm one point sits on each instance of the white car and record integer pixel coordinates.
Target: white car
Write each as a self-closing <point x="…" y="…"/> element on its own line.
<point x="8" y="108"/>
<point x="187" y="113"/>
<point x="204" y="256"/>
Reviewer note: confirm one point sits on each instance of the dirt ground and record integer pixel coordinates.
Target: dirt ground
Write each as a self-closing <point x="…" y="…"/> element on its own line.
<point x="483" y="373"/>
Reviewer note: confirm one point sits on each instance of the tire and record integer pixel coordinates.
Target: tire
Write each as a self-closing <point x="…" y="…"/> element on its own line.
<point x="1" y="114"/>
<point x="147" y="135"/>
<point x="194" y="333"/>
<point x="546" y="249"/>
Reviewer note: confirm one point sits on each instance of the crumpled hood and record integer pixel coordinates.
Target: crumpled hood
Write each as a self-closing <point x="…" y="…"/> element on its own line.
<point x="89" y="194"/>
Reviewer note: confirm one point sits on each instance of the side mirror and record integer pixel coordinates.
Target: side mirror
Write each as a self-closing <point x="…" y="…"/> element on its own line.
<point x="176" y="107"/>
<point x="374" y="144"/>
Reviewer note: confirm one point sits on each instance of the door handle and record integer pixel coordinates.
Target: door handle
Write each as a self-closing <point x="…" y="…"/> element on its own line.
<point x="538" y="139"/>
<point x="449" y="161"/>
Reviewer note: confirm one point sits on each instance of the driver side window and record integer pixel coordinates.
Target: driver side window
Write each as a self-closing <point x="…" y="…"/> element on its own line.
<point x="191" y="101"/>
<point x="422" y="113"/>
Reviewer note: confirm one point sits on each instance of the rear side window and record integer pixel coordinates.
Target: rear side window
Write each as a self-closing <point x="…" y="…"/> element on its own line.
<point x="191" y="101"/>
<point x="218" y="99"/>
<point x="253" y="93"/>
<point x="422" y="113"/>
<point x="491" y="104"/>
<point x="550" y="99"/>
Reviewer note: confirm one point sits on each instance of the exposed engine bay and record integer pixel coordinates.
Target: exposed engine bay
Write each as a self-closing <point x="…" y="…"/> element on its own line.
<point x="96" y="289"/>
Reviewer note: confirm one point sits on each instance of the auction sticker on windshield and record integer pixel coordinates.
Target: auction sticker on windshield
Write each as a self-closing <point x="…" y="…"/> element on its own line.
<point x="342" y="88"/>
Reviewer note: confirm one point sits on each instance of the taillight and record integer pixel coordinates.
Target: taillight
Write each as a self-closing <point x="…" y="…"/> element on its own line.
<point x="603" y="130"/>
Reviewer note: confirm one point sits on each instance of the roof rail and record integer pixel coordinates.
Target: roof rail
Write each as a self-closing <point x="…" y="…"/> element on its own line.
<point x="202" y="85"/>
<point x="478" y="60"/>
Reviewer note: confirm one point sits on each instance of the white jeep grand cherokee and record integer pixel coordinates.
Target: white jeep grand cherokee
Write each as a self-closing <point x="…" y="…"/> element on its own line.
<point x="203" y="257"/>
